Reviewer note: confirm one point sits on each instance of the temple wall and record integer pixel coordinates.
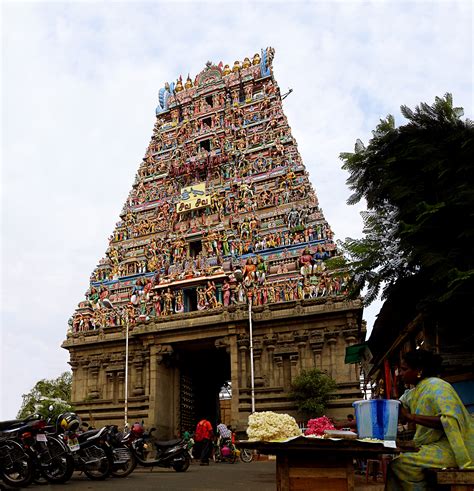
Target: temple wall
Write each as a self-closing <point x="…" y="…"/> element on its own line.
<point x="284" y="345"/>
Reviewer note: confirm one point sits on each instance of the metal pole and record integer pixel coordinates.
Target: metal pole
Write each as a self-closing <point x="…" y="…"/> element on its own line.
<point x="126" y="371"/>
<point x="252" y="378"/>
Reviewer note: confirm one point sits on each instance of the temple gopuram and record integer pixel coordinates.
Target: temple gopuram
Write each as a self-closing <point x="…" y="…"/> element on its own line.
<point x="221" y="214"/>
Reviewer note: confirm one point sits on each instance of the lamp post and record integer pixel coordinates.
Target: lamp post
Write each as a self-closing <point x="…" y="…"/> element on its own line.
<point x="109" y="305"/>
<point x="239" y="277"/>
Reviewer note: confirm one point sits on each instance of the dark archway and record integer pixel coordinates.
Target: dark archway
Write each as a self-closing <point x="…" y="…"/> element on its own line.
<point x="203" y="371"/>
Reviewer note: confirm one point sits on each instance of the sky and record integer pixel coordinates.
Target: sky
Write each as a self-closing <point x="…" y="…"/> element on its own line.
<point x="79" y="87"/>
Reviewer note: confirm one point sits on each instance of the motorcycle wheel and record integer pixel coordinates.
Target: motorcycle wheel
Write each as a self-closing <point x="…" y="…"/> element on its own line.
<point x="125" y="469"/>
<point x="100" y="468"/>
<point x="183" y="465"/>
<point x="38" y="477"/>
<point x="57" y="464"/>
<point x="246" y="455"/>
<point x="16" y="468"/>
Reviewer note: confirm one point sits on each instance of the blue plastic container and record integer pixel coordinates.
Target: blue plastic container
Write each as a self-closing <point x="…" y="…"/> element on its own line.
<point x="377" y="418"/>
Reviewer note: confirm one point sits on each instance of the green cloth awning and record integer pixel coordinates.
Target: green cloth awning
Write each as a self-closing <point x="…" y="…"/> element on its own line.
<point x="355" y="353"/>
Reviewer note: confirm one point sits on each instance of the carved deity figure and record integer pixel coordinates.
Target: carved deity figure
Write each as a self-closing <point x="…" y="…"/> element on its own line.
<point x="226" y="293"/>
<point x="179" y="302"/>
<point x="201" y="294"/>
<point x="306" y="262"/>
<point x="168" y="302"/>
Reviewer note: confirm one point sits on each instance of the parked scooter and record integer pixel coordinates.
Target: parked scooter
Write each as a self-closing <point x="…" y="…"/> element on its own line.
<point x="151" y="453"/>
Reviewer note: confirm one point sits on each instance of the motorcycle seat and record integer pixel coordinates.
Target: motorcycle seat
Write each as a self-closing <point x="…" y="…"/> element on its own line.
<point x="169" y="443"/>
<point x="5" y="425"/>
<point x="87" y="434"/>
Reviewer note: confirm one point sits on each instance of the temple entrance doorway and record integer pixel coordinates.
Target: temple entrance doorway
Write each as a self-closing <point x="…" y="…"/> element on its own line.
<point x="204" y="370"/>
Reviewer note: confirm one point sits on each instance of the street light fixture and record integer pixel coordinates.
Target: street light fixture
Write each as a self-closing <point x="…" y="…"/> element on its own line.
<point x="109" y="305"/>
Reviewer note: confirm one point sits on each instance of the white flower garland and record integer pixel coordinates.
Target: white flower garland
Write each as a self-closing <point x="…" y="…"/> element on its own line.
<point x="267" y="425"/>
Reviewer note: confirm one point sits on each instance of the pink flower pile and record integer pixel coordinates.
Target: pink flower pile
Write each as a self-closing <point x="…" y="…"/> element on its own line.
<point x="317" y="426"/>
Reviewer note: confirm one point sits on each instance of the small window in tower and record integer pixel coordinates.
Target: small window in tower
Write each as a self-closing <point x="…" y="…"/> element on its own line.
<point x="195" y="248"/>
<point x="209" y="100"/>
<point x="207" y="121"/>
<point x="205" y="144"/>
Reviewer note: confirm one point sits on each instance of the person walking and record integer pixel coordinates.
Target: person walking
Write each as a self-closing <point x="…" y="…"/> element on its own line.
<point x="203" y="438"/>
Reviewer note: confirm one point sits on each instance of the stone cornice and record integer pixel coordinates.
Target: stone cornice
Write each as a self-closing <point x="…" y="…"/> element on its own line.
<point x="217" y="321"/>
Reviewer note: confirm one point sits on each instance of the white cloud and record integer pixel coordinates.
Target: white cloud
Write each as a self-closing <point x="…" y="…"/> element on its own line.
<point x="79" y="89"/>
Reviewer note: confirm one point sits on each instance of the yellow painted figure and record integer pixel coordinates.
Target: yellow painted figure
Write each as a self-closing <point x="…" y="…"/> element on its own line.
<point x="444" y="428"/>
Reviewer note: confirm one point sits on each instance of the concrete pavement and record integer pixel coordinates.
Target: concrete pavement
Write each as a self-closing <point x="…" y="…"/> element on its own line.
<point x="256" y="476"/>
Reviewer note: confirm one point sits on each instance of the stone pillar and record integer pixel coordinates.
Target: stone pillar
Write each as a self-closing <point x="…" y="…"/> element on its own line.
<point x="235" y="374"/>
<point x="110" y="385"/>
<point x="294" y="365"/>
<point x="270" y="366"/>
<point x="278" y="363"/>
<point x="257" y="358"/>
<point x="137" y="380"/>
<point x="153" y="389"/>
<point x="300" y="339"/>
<point x="74" y="363"/>
<point x="164" y="417"/>
<point x="242" y="344"/>
<point x="93" y="375"/>
<point x="316" y="343"/>
<point x="331" y="339"/>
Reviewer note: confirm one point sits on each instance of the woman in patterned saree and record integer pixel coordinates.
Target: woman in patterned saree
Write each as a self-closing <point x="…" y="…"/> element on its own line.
<point x="444" y="428"/>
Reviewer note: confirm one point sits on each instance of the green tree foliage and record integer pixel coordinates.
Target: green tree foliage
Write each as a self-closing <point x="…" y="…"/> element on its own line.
<point x="55" y="392"/>
<point x="311" y="390"/>
<point x="417" y="180"/>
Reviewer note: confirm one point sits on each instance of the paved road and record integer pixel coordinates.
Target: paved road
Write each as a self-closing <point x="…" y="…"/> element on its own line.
<point x="256" y="476"/>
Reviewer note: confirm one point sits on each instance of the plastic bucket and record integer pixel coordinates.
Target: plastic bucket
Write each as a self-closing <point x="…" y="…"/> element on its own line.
<point x="377" y="418"/>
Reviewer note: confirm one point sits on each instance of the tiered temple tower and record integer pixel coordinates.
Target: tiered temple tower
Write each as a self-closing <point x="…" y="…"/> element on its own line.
<point x="221" y="214"/>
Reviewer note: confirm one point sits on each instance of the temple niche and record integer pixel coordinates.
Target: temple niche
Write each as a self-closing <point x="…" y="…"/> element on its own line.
<point x="221" y="213"/>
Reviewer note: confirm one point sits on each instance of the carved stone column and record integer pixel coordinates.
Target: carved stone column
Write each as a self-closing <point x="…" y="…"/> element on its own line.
<point x="235" y="374"/>
<point x="278" y="360"/>
<point x="137" y="363"/>
<point x="74" y="363"/>
<point x="257" y="358"/>
<point x="242" y="343"/>
<point x="316" y="342"/>
<point x="294" y="366"/>
<point x="269" y="342"/>
<point x="300" y="339"/>
<point x="162" y="391"/>
<point x="93" y="374"/>
<point x="331" y="340"/>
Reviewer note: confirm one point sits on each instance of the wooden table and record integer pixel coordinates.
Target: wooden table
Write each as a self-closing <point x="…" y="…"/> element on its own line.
<point x="317" y="463"/>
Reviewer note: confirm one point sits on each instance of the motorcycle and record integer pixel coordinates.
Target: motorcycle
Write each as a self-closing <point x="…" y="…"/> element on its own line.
<point x="124" y="460"/>
<point x="91" y="452"/>
<point x="51" y="459"/>
<point x="171" y="454"/>
<point x="16" y="467"/>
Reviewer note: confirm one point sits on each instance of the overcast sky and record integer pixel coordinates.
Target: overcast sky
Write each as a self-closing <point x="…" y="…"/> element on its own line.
<point x="79" y="90"/>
